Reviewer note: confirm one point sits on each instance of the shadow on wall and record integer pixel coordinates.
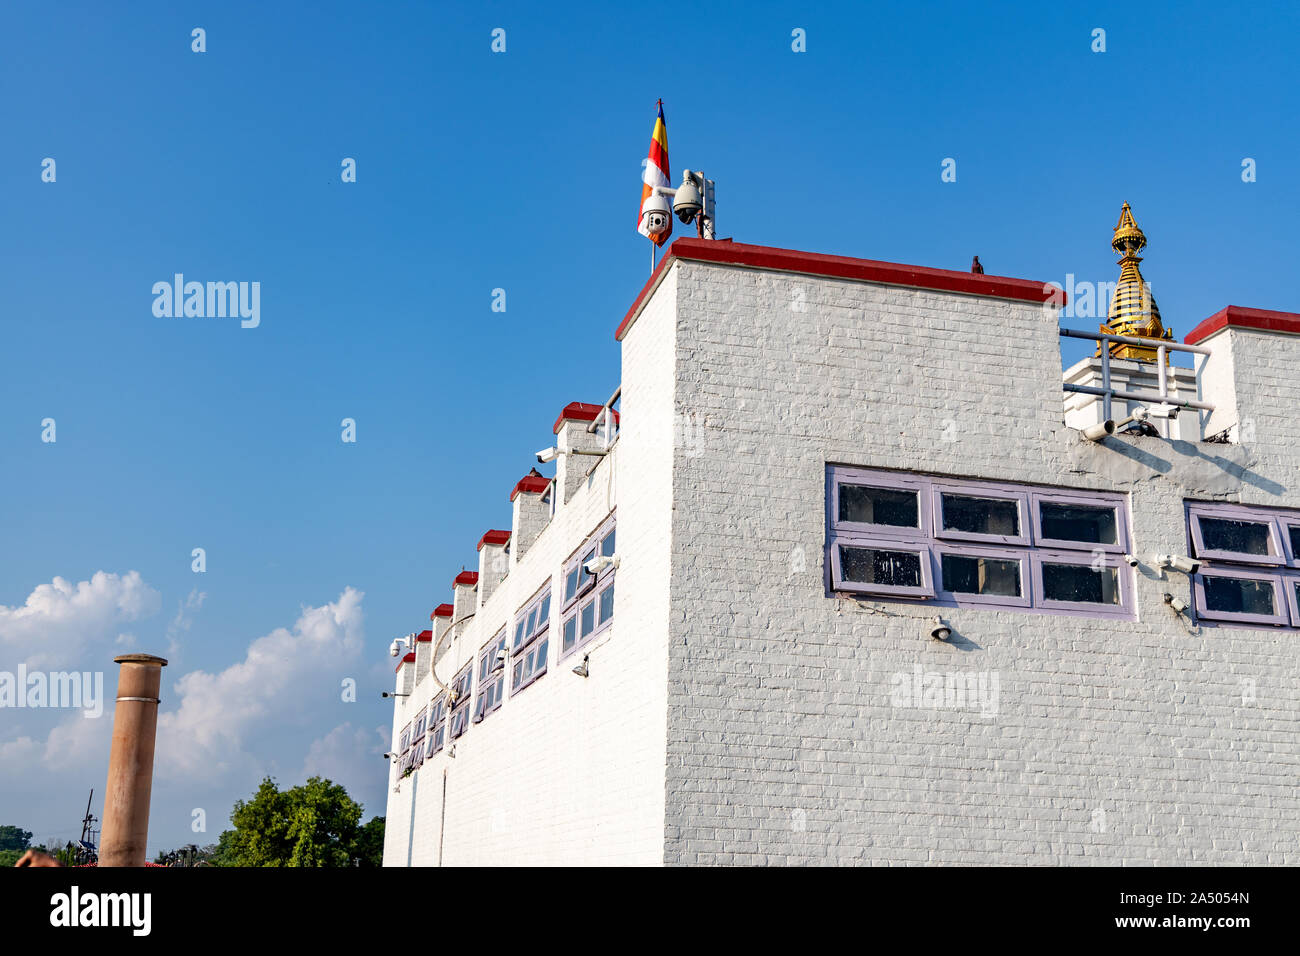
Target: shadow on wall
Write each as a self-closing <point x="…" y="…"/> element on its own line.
<point x="1128" y="448"/>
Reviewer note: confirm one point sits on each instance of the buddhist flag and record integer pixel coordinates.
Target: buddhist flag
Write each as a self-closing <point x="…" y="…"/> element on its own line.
<point x="655" y="174"/>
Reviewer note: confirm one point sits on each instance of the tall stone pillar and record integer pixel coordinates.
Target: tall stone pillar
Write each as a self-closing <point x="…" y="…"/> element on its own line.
<point x="130" y="762"/>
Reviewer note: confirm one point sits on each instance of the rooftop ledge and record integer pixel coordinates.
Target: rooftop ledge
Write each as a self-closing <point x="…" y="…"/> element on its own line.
<point x="839" y="267"/>
<point x="1240" y="317"/>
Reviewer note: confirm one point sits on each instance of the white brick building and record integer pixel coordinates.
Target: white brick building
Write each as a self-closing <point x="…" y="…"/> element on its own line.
<point x="817" y="457"/>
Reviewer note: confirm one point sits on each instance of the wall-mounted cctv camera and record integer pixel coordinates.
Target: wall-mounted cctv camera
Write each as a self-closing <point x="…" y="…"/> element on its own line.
<point x="1176" y="561"/>
<point x="1132" y="560"/>
<point x="600" y="563"/>
<point x="548" y="454"/>
<point x="940" y="631"/>
<point x="394" y="648"/>
<point x="1099" y="431"/>
<point x="503" y="656"/>
<point x="1178" y="605"/>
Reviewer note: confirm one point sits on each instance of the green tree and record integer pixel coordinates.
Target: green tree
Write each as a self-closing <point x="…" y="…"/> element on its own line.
<point x="316" y="824"/>
<point x="15" y="838"/>
<point x="10" y="857"/>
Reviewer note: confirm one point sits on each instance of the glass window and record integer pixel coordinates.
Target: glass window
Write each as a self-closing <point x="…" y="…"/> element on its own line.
<point x="607" y="545"/>
<point x="1087" y="524"/>
<point x="991" y="516"/>
<point x="588" y="618"/>
<point x="888" y="568"/>
<point x="1080" y="583"/>
<point x="570" y="634"/>
<point x="1233" y="534"/>
<point x="896" y="507"/>
<point x="1239" y="595"/>
<point x="606" y="604"/>
<point x="969" y="574"/>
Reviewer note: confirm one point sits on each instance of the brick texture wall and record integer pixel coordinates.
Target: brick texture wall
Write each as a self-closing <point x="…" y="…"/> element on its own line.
<point x="1113" y="742"/>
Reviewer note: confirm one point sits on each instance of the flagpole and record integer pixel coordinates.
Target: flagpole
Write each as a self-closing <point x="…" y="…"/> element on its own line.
<point x="652" y="257"/>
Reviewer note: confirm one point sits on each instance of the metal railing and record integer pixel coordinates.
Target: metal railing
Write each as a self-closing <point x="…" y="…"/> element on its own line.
<point x="1163" y="347"/>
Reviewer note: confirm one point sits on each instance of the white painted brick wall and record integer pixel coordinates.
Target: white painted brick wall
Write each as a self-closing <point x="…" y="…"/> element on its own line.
<point x="783" y="746"/>
<point x="570" y="771"/>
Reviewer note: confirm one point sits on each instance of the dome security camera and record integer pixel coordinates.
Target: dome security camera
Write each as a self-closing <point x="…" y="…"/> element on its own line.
<point x="940" y="631"/>
<point x="394" y="649"/>
<point x="1178" y="605"/>
<point x="655" y="216"/>
<point x="687" y="203"/>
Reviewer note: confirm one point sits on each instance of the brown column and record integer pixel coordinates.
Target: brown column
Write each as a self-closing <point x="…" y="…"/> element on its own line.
<point x="130" y="763"/>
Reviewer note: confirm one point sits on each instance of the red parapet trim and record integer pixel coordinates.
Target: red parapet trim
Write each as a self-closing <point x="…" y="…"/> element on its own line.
<point x="1242" y="318"/>
<point x="466" y="577"/>
<point x="424" y="636"/>
<point x="493" y="537"/>
<point x="408" y="659"/>
<point x="581" y="412"/>
<point x="842" y="267"/>
<point x="531" y="485"/>
<point x="442" y="610"/>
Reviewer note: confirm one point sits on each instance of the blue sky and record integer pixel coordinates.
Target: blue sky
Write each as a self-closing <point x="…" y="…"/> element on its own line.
<point x="478" y="171"/>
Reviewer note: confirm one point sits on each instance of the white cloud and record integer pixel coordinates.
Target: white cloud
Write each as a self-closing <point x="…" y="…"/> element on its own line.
<point x="346" y="755"/>
<point x="61" y="621"/>
<point x="183" y="621"/>
<point x="287" y="678"/>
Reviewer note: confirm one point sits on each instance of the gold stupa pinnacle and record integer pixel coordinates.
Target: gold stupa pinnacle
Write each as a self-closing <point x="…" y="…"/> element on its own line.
<point x="1133" y="310"/>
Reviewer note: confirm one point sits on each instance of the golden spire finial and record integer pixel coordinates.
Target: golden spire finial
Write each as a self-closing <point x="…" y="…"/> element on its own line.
<point x="1133" y="311"/>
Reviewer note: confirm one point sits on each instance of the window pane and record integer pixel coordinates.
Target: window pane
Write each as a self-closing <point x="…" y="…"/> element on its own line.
<point x="981" y="515"/>
<point x="1239" y="595"/>
<point x="1091" y="524"/>
<point x="532" y="623"/>
<point x="519" y="632"/>
<point x="1295" y="540"/>
<point x="873" y="566"/>
<point x="542" y="650"/>
<point x="571" y="583"/>
<point x="606" y="604"/>
<point x="1080" y="582"/>
<point x="607" y="545"/>
<point x="570" y="632"/>
<point x="544" y="615"/>
<point x="519" y="672"/>
<point x="891" y="506"/>
<point x="589" y="618"/>
<point x="1230" y="534"/>
<point x="964" y="574"/>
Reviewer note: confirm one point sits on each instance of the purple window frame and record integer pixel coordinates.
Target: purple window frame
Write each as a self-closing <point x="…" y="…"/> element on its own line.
<point x="418" y="725"/>
<point x="588" y="594"/>
<point x="1100" y="499"/>
<point x="1123" y="575"/>
<point x="490" y="684"/>
<point x="937" y="491"/>
<point x="966" y="599"/>
<point x="1283" y="602"/>
<point x="1030" y="547"/>
<point x="1272" y="520"/>
<point x="522" y="638"/>
<point x="1278" y="568"/>
<point x="925" y="590"/>
<point x="533" y="650"/>
<point x="461" y="711"/>
<point x="841" y="475"/>
<point x="437" y="733"/>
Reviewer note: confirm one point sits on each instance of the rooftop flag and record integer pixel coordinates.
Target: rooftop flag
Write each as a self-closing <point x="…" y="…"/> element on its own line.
<point x="654" y="174"/>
